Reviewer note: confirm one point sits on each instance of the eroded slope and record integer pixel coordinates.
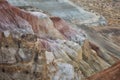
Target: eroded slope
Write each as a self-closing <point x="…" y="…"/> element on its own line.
<point x="34" y="46"/>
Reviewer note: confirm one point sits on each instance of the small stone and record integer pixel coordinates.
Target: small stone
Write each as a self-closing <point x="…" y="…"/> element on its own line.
<point x="21" y="53"/>
<point x="6" y="33"/>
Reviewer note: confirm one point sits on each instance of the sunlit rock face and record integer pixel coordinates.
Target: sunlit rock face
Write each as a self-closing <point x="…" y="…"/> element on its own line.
<point x="34" y="46"/>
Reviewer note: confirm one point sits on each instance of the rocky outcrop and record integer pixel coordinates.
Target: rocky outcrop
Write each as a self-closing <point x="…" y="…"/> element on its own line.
<point x="64" y="9"/>
<point x="34" y="46"/>
<point x="112" y="73"/>
<point x="112" y="33"/>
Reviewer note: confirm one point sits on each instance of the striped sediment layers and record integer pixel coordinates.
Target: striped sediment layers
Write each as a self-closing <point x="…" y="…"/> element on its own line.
<point x="34" y="46"/>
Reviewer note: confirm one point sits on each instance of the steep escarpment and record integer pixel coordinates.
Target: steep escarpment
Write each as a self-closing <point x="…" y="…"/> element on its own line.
<point x="34" y="46"/>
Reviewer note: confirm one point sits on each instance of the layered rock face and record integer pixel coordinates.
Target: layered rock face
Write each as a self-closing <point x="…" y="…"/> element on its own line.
<point x="112" y="73"/>
<point x="34" y="46"/>
<point x="64" y="9"/>
<point x="110" y="10"/>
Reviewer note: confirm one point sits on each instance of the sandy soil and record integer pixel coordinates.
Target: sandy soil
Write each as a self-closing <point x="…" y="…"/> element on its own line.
<point x="110" y="9"/>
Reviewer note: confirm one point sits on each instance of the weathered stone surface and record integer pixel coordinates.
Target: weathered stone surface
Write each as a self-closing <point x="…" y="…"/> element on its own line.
<point x="64" y="9"/>
<point x="112" y="73"/>
<point x="24" y="47"/>
<point x="34" y="46"/>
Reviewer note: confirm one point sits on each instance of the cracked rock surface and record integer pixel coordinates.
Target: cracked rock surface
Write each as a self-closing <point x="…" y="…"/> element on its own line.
<point x="34" y="46"/>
